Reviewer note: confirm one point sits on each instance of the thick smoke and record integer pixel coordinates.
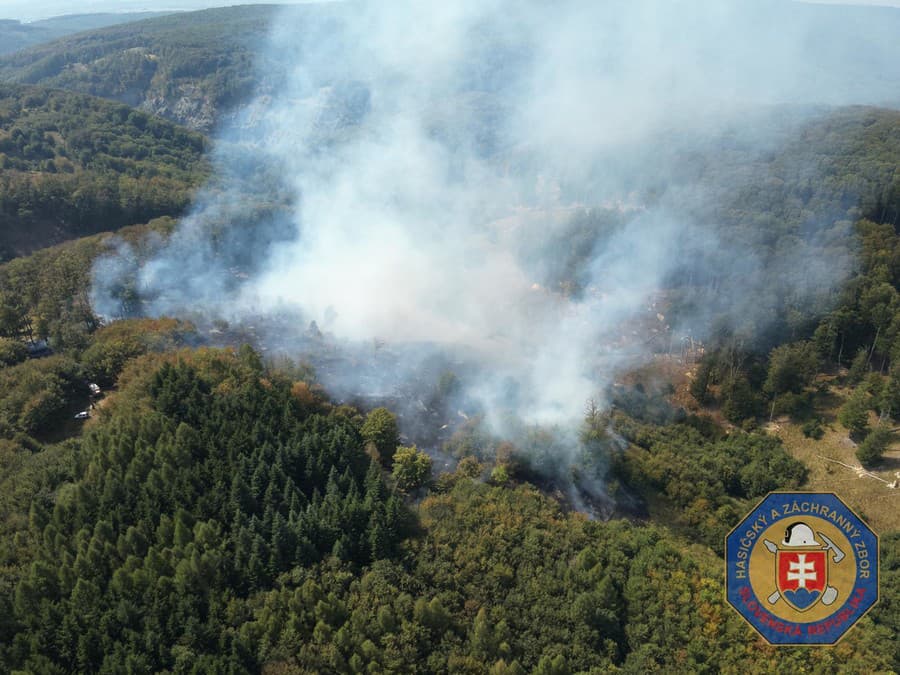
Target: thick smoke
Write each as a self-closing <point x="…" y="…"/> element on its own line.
<point x="434" y="161"/>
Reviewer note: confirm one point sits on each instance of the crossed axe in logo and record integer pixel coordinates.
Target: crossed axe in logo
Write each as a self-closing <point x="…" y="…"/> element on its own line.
<point x="830" y="593"/>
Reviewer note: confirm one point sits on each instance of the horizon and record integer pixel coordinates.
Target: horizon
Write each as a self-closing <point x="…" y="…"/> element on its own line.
<point x="27" y="11"/>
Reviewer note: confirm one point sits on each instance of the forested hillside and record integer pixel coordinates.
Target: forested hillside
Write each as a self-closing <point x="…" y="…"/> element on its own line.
<point x="220" y="511"/>
<point x="779" y="211"/>
<point x="797" y="207"/>
<point x="15" y="35"/>
<point x="838" y="187"/>
<point x="184" y="494"/>
<point x="196" y="68"/>
<point x="218" y="516"/>
<point x="206" y="484"/>
<point x="187" y="67"/>
<point x="72" y="165"/>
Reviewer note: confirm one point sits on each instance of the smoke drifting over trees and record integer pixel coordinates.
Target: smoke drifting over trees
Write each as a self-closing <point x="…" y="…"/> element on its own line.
<point x="515" y="184"/>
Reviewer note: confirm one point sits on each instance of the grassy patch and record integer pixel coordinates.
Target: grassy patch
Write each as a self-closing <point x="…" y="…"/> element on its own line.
<point x="878" y="504"/>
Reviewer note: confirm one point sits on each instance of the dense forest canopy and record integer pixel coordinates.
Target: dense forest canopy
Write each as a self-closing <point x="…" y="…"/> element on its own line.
<point x="72" y="165"/>
<point x="219" y="517"/>
<point x="210" y="465"/>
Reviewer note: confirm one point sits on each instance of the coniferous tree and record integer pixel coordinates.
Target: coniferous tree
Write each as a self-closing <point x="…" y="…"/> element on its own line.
<point x="854" y="414"/>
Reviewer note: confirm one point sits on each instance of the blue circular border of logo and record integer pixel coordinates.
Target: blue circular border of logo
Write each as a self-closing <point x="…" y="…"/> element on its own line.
<point x="739" y="593"/>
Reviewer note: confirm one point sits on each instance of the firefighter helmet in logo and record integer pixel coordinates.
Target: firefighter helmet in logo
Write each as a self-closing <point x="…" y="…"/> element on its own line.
<point x="802" y="568"/>
<point x="799" y="534"/>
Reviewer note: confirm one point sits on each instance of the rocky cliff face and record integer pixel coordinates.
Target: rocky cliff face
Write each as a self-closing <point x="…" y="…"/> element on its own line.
<point x="187" y="105"/>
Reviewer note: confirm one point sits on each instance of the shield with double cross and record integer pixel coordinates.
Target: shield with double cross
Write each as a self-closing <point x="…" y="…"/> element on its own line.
<point x="801" y="576"/>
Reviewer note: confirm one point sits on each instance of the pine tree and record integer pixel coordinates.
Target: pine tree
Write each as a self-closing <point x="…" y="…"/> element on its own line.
<point x="700" y="383"/>
<point x="854" y="415"/>
<point x="871" y="450"/>
<point x="890" y="396"/>
<point x="739" y="402"/>
<point x="374" y="485"/>
<point x="380" y="543"/>
<point x="859" y="367"/>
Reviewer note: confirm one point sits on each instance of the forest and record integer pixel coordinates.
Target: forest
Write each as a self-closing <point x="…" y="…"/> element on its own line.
<point x="177" y="497"/>
<point x="222" y="517"/>
<point x="190" y="68"/>
<point x="17" y="35"/>
<point x="220" y="514"/>
<point x="74" y="165"/>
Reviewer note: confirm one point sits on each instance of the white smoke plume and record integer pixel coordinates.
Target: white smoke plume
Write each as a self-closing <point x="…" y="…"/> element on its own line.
<point x="435" y="156"/>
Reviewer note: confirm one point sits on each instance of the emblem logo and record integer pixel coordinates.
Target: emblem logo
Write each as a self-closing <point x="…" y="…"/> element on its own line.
<point x="802" y="568"/>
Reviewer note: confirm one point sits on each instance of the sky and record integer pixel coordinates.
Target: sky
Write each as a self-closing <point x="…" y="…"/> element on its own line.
<point x="31" y="10"/>
<point x="879" y="3"/>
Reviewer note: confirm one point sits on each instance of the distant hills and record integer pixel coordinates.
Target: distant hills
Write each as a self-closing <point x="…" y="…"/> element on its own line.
<point x="198" y="68"/>
<point x="15" y="35"/>
<point x="187" y="67"/>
